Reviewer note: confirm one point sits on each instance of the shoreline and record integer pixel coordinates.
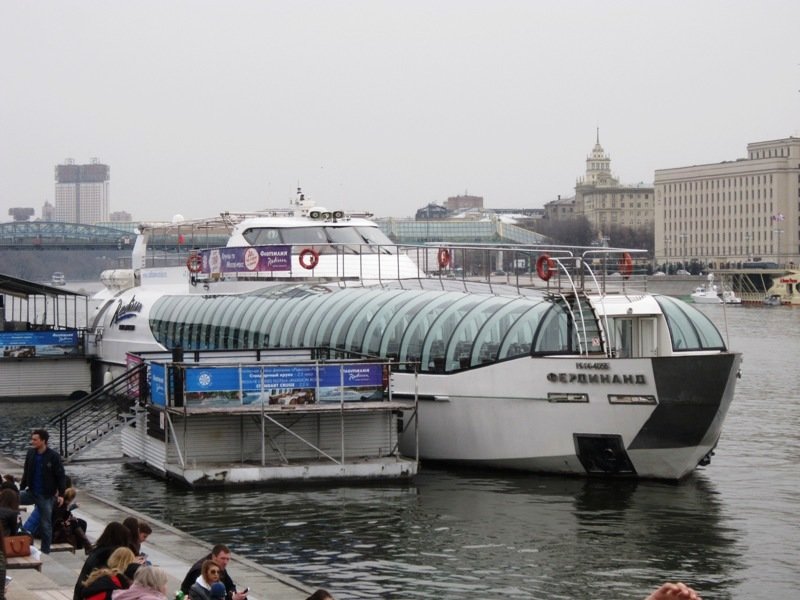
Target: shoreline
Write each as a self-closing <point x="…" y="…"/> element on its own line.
<point x="167" y="547"/>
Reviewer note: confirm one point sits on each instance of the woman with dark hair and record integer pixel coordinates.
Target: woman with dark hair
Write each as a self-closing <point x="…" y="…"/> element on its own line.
<point x="132" y="524"/>
<point x="113" y="536"/>
<point x="68" y="528"/>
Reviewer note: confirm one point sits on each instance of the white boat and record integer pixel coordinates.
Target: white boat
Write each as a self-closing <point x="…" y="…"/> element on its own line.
<point x="708" y="293"/>
<point x="560" y="375"/>
<point x="58" y="279"/>
<point x="730" y="297"/>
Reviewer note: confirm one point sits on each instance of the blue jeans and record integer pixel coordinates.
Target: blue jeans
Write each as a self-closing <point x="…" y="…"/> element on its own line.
<point x="44" y="507"/>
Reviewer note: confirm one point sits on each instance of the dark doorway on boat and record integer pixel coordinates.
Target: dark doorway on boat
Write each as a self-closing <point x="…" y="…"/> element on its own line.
<point x="603" y="454"/>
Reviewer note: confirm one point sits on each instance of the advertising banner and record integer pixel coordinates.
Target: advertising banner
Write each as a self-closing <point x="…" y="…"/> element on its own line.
<point x="30" y="344"/>
<point x="283" y="384"/>
<point x="255" y="259"/>
<point x="158" y="384"/>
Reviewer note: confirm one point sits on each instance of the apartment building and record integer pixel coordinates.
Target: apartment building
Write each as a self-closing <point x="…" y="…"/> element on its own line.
<point x="731" y="211"/>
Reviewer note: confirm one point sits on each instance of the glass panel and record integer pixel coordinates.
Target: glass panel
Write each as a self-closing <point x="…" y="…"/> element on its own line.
<point x="262" y="236"/>
<point x="375" y="236"/>
<point x="329" y="312"/>
<point x="316" y="309"/>
<point x="347" y="298"/>
<point x="246" y="332"/>
<point x="459" y="347"/>
<point x="396" y="327"/>
<point x="341" y="329"/>
<point x="487" y="342"/>
<point x="378" y="325"/>
<point x="219" y="321"/>
<point x="517" y="342"/>
<point x="553" y="335"/>
<point x="411" y="344"/>
<point x="439" y="332"/>
<point x="287" y="318"/>
<point x="354" y="341"/>
<point x="688" y="327"/>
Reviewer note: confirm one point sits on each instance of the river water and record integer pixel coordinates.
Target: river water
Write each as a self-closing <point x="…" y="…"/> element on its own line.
<point x="731" y="529"/>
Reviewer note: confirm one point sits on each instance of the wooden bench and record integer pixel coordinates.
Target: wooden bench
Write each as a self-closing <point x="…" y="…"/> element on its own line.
<point x="62" y="547"/>
<point x="23" y="562"/>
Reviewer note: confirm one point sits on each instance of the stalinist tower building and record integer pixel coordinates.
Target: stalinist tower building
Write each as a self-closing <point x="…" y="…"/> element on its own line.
<point x="601" y="198"/>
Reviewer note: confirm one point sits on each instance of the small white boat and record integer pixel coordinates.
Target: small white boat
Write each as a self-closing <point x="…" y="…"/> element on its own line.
<point x="708" y="293"/>
<point x="730" y="297"/>
<point x="58" y="279"/>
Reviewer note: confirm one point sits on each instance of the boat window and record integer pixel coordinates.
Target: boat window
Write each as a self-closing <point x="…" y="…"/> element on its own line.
<point x="688" y="327"/>
<point x="439" y="332"/>
<point x="376" y="237"/>
<point x="364" y="240"/>
<point x="396" y="327"/>
<point x="341" y="328"/>
<point x="377" y="329"/>
<point x="459" y="346"/>
<point x="554" y="332"/>
<point x="517" y="342"/>
<point x="354" y="341"/>
<point x="311" y="333"/>
<point x="262" y="236"/>
<point x="313" y="311"/>
<point x="487" y="342"/>
<point x="411" y="344"/>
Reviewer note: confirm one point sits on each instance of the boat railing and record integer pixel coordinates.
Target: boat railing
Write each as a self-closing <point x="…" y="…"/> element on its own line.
<point x="474" y="266"/>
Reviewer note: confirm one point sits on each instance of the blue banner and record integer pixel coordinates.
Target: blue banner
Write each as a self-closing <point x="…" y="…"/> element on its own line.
<point x="29" y="344"/>
<point x="158" y="384"/>
<point x="283" y="384"/>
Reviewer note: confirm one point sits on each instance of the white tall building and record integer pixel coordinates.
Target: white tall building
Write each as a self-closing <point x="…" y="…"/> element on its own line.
<point x="82" y="192"/>
<point x="732" y="211"/>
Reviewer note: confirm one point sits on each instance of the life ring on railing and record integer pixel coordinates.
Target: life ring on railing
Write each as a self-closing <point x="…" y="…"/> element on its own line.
<point x="194" y="263"/>
<point x="312" y="256"/>
<point x="626" y="265"/>
<point x="444" y="258"/>
<point x="545" y="267"/>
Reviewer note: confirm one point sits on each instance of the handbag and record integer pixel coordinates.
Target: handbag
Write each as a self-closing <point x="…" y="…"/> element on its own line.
<point x="16" y="545"/>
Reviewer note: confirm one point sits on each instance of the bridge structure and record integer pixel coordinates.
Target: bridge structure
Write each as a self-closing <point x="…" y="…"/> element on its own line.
<point x="27" y="235"/>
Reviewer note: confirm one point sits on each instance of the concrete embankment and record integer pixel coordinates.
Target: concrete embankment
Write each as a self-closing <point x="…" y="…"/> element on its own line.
<point x="167" y="547"/>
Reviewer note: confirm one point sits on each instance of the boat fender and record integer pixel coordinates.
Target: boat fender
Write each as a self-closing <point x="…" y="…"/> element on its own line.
<point x="194" y="263"/>
<point x="309" y="258"/>
<point x="626" y="265"/>
<point x="444" y="258"/>
<point x="545" y="267"/>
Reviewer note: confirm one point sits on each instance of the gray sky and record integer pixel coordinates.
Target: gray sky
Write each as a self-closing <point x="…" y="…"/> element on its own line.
<point x="203" y="106"/>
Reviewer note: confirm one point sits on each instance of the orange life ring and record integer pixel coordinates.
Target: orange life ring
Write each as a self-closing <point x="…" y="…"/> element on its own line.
<point x="444" y="258"/>
<point x="194" y="263"/>
<point x="312" y="256"/>
<point x="545" y="267"/>
<point x="626" y="265"/>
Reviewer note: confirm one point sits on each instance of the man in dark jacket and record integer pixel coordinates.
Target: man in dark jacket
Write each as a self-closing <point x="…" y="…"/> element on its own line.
<point x="221" y="555"/>
<point x="43" y="483"/>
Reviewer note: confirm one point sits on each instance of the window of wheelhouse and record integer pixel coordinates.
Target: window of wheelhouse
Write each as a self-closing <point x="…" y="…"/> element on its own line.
<point x="556" y="332"/>
<point x="689" y="328"/>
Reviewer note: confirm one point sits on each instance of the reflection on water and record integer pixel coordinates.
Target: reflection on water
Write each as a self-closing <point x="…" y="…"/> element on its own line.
<point x="729" y="529"/>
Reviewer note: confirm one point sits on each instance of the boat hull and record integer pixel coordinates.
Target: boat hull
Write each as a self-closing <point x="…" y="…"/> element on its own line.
<point x="652" y="417"/>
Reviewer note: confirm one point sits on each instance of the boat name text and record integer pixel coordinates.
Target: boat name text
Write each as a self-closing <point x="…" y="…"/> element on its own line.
<point x="596" y="378"/>
<point x="126" y="311"/>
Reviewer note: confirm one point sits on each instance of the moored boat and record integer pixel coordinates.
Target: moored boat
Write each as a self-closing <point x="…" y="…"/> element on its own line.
<point x="565" y="374"/>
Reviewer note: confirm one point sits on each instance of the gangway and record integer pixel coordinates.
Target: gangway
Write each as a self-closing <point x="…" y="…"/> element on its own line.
<point x="92" y="418"/>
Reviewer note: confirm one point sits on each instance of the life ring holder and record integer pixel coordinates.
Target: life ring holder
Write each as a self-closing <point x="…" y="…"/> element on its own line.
<point x="626" y="265"/>
<point x="443" y="257"/>
<point x="545" y="267"/>
<point x="312" y="257"/>
<point x="194" y="263"/>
